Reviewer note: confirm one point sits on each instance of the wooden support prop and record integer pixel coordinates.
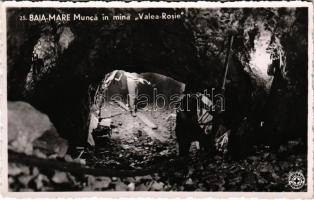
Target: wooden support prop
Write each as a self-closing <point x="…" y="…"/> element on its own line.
<point x="227" y="63"/>
<point x="122" y="105"/>
<point x="15" y="157"/>
<point x="146" y="120"/>
<point x="113" y="115"/>
<point x="139" y="115"/>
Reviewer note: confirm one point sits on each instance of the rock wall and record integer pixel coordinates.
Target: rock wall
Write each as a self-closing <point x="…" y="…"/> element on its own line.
<point x="58" y="65"/>
<point x="30" y="130"/>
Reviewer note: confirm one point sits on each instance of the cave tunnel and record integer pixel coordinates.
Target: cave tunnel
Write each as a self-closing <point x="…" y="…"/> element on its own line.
<point x="77" y="59"/>
<point x="69" y="129"/>
<point x="164" y="48"/>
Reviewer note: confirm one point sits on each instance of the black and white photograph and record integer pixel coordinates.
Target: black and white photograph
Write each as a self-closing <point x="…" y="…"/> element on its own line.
<point x="208" y="98"/>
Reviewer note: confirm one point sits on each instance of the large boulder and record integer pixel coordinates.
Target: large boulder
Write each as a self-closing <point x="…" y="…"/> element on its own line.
<point x="30" y="130"/>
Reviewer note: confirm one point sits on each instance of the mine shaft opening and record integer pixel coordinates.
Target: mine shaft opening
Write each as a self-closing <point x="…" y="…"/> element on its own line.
<point x="134" y="115"/>
<point x="145" y="116"/>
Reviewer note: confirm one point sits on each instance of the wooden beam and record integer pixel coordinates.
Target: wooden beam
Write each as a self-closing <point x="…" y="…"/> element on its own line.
<point x="146" y="120"/>
<point x="122" y="105"/>
<point x="44" y="163"/>
<point x="141" y="116"/>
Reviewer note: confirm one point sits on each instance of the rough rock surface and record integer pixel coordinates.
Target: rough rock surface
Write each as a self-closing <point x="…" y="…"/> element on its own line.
<point x="58" y="61"/>
<point x="29" y="129"/>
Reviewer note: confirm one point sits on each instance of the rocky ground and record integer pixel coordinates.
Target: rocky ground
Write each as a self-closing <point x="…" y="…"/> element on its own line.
<point x="134" y="146"/>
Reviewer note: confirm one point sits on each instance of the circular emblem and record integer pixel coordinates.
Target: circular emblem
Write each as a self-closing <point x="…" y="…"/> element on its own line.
<point x="296" y="180"/>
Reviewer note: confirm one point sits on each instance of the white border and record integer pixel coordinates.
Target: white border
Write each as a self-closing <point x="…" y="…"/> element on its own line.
<point x="147" y="4"/>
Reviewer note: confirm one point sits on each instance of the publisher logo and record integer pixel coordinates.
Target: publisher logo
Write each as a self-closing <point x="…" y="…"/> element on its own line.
<point x="296" y="180"/>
